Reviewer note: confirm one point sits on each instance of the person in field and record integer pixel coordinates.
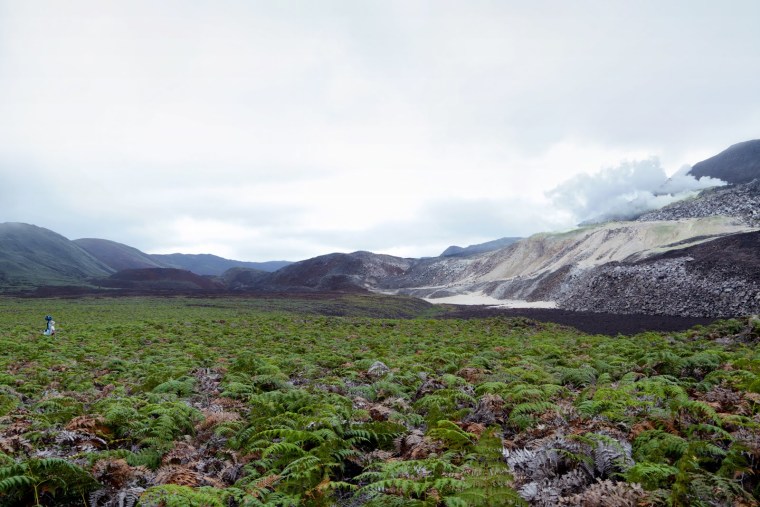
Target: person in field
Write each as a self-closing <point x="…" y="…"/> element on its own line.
<point x="50" y="329"/>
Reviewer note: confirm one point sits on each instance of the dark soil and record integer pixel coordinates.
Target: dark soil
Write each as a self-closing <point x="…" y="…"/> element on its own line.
<point x="737" y="255"/>
<point x="588" y="322"/>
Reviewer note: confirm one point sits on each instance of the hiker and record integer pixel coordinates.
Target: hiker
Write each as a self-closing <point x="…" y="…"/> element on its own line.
<point x="50" y="329"/>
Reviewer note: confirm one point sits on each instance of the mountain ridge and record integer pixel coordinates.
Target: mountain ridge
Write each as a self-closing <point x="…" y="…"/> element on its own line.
<point x="593" y="268"/>
<point x="209" y="264"/>
<point x="32" y="256"/>
<point x="488" y="246"/>
<point x="739" y="163"/>
<point x="120" y="256"/>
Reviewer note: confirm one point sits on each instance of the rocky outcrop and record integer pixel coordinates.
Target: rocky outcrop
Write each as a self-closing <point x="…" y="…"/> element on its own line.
<point x="490" y="246"/>
<point x="739" y="201"/>
<point x="536" y="268"/>
<point x="337" y="271"/>
<point x="720" y="278"/>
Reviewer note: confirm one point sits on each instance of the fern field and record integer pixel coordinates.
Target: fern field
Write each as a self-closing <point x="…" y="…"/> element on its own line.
<point x="235" y="402"/>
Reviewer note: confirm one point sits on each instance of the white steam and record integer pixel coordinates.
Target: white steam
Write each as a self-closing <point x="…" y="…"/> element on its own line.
<point x="626" y="191"/>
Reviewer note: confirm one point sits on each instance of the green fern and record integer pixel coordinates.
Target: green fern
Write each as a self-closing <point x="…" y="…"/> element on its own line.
<point x="164" y="422"/>
<point x="452" y="435"/>
<point x="8" y="402"/>
<point x="657" y="446"/>
<point x="376" y="434"/>
<point x="24" y="481"/>
<point x="180" y="387"/>
<point x="423" y="482"/>
<point x="524" y="414"/>
<point x="486" y="474"/>
<point x="171" y="495"/>
<point x="59" y="409"/>
<point x="651" y="475"/>
<point x="577" y="377"/>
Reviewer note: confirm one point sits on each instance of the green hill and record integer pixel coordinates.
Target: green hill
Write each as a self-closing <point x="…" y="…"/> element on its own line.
<point x="32" y="256"/>
<point x="117" y="255"/>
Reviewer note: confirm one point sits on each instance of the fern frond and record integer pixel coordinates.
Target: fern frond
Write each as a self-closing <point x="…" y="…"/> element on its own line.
<point x="536" y="407"/>
<point x="283" y="449"/>
<point x="651" y="475"/>
<point x="451" y="434"/>
<point x="171" y="495"/>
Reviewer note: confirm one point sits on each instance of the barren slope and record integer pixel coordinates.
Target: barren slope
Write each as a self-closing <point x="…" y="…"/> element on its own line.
<point x="719" y="278"/>
<point x="535" y="267"/>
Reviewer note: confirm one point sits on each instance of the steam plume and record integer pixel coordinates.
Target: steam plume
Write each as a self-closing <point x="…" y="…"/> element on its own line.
<point x="626" y="191"/>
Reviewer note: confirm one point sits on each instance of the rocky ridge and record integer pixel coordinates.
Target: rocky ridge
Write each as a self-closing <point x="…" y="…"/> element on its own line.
<point x="537" y="268"/>
<point x="718" y="278"/>
<point x="661" y="287"/>
<point x="739" y="163"/>
<point x="738" y="201"/>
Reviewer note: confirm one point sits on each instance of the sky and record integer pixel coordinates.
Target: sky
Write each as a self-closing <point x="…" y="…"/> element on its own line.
<point x="285" y="129"/>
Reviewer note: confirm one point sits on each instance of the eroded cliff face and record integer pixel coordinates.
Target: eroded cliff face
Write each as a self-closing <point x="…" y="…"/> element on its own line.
<point x="720" y="278"/>
<point x="697" y="258"/>
<point x="544" y="266"/>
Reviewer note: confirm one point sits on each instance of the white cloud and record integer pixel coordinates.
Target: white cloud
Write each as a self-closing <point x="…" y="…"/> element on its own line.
<point x="625" y="191"/>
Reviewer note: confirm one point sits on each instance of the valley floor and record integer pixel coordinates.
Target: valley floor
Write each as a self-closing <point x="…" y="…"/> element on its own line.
<point x="610" y="324"/>
<point x="327" y="401"/>
<point x="482" y="299"/>
<point x="231" y="402"/>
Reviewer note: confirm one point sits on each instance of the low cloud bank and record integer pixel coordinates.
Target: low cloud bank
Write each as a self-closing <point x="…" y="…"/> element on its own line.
<point x="626" y="191"/>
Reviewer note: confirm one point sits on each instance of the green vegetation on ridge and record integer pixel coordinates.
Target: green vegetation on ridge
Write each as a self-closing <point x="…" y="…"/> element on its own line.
<point x="243" y="402"/>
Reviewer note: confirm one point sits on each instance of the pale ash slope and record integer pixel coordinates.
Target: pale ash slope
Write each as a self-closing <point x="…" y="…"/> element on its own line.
<point x="536" y="268"/>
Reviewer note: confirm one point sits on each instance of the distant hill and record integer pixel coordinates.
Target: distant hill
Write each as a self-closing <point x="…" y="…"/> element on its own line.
<point x="117" y="255"/>
<point x="740" y="163"/>
<point x="696" y="257"/>
<point x="337" y="271"/>
<point x="32" y="256"/>
<point x="161" y="279"/>
<point x="489" y="246"/>
<point x="206" y="264"/>
<point x="237" y="279"/>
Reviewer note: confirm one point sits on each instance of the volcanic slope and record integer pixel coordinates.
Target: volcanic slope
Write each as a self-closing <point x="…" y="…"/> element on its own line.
<point x="117" y="255"/>
<point x="207" y="264"/>
<point x="489" y="246"/>
<point x="740" y="201"/>
<point x="719" y="278"/>
<point x="535" y="268"/>
<point x="33" y="256"/>
<point x="739" y="163"/>
<point x="543" y="267"/>
<point x="161" y="280"/>
<point x="337" y="271"/>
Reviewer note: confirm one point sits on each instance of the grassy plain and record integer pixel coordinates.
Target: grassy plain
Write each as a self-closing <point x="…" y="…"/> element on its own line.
<point x="234" y="401"/>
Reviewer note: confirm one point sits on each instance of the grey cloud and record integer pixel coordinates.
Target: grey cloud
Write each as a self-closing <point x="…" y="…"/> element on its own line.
<point x="135" y="116"/>
<point x="441" y="224"/>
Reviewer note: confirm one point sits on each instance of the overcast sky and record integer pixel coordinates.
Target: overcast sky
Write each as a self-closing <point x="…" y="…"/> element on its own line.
<point x="288" y="129"/>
